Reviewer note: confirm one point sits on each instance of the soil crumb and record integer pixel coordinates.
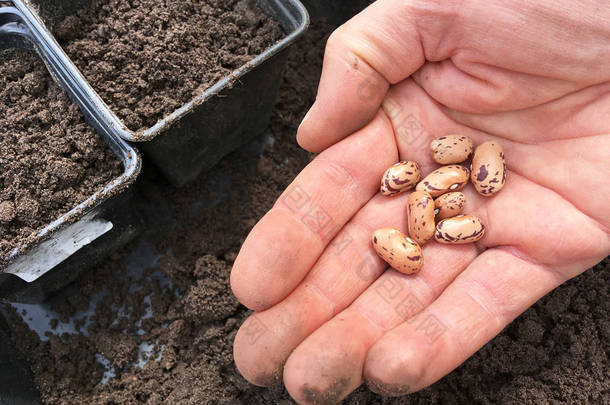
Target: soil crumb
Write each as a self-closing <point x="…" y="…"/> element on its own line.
<point x="147" y="58"/>
<point x="556" y="352"/>
<point x="50" y="159"/>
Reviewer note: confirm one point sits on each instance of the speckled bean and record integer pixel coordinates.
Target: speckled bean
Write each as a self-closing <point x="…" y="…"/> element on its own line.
<point x="449" y="205"/>
<point x="459" y="230"/>
<point x="398" y="250"/>
<point x="421" y="216"/>
<point x="488" y="168"/>
<point x="444" y="180"/>
<point x="451" y="149"/>
<point x="401" y="177"/>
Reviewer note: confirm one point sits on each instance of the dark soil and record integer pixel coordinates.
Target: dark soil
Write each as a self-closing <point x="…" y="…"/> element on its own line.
<point x="147" y="58"/>
<point x="557" y="352"/>
<point x="50" y="159"/>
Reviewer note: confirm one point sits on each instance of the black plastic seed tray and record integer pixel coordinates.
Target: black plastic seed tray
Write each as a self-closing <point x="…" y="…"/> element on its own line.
<point x="336" y="11"/>
<point x="91" y="230"/>
<point x="234" y="110"/>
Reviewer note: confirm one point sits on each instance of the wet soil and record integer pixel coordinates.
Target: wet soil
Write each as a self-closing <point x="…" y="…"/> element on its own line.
<point x="147" y="58"/>
<point x="556" y="352"/>
<point x="50" y="159"/>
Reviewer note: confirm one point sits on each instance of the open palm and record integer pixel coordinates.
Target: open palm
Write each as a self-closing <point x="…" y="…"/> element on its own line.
<point x="329" y="313"/>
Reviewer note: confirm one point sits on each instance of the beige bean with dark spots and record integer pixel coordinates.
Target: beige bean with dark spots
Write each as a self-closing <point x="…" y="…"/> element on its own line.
<point x="451" y="149"/>
<point x="459" y="230"/>
<point x="488" y="168"/>
<point x="449" y="205"/>
<point x="398" y="250"/>
<point x="420" y="206"/>
<point x="444" y="180"/>
<point x="402" y="176"/>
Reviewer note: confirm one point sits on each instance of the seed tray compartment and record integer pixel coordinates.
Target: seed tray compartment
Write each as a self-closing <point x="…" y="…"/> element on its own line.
<point x="92" y="229"/>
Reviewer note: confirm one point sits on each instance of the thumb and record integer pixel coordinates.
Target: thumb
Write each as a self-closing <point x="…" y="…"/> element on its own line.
<point x="380" y="46"/>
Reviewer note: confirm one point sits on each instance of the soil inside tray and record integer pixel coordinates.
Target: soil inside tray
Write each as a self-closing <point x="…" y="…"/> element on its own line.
<point x="557" y="352"/>
<point x="147" y="58"/>
<point x="50" y="159"/>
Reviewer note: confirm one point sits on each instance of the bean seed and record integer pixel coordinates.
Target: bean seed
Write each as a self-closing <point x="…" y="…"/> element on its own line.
<point x="451" y="149"/>
<point x="399" y="178"/>
<point x="398" y="250"/>
<point x="449" y="205"/>
<point x="421" y="216"/>
<point x="459" y="230"/>
<point x="444" y="180"/>
<point x="488" y="168"/>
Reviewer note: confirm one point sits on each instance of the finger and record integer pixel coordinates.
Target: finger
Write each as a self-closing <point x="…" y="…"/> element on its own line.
<point x="495" y="289"/>
<point x="288" y="240"/>
<point x="378" y="47"/>
<point x="328" y="364"/>
<point x="343" y="271"/>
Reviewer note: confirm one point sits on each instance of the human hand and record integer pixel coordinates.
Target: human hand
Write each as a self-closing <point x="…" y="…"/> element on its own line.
<point x="329" y="313"/>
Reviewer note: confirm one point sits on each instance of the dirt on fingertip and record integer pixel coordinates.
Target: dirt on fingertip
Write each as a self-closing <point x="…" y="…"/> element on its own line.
<point x="327" y="396"/>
